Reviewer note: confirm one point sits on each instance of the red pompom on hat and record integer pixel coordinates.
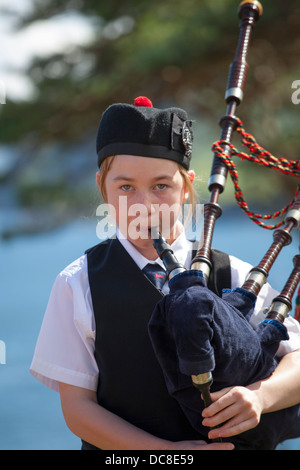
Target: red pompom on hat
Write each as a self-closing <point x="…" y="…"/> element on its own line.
<point x="143" y="101"/>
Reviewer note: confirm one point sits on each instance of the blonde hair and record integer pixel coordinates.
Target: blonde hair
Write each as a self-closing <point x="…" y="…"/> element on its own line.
<point x="103" y="170"/>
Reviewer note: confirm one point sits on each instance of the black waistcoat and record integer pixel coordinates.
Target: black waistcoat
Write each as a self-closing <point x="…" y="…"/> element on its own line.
<point x="131" y="383"/>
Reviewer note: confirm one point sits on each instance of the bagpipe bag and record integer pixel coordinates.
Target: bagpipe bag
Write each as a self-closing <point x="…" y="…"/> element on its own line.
<point x="193" y="331"/>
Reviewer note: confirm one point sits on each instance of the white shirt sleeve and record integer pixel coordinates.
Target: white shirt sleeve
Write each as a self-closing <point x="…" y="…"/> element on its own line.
<point x="239" y="272"/>
<point x="65" y="348"/>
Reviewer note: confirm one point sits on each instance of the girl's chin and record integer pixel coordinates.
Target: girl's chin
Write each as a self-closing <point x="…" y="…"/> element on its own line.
<point x="146" y="248"/>
<point x="142" y="242"/>
<point x="144" y="235"/>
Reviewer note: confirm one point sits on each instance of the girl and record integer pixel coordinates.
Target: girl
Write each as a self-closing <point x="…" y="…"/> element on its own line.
<point x="93" y="346"/>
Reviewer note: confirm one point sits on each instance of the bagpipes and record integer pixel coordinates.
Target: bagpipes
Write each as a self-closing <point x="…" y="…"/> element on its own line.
<point x="203" y="341"/>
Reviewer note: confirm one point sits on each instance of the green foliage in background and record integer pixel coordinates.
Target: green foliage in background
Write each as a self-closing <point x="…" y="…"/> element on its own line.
<point x="177" y="53"/>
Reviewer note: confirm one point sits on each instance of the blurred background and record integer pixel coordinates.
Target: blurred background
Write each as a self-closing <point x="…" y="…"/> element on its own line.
<point x="61" y="64"/>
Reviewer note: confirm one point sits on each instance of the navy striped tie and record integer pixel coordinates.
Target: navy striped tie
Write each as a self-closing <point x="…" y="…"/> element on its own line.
<point x="156" y="274"/>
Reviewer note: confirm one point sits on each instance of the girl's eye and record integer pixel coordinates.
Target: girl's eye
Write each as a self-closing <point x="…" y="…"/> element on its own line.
<point x="126" y="187"/>
<point x="161" y="186"/>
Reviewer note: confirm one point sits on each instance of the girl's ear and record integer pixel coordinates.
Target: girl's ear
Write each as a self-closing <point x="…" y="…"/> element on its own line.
<point x="191" y="174"/>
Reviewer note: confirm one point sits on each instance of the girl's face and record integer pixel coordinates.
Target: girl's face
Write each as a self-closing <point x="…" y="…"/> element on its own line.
<point x="145" y="192"/>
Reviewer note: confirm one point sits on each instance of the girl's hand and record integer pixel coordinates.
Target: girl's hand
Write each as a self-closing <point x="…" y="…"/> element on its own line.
<point x="237" y="407"/>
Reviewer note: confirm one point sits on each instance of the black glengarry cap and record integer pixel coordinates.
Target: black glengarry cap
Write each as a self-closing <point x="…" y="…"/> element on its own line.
<point x="143" y="130"/>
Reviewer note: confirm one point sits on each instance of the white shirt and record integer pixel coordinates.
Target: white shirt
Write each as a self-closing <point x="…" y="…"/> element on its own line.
<point x="65" y="348"/>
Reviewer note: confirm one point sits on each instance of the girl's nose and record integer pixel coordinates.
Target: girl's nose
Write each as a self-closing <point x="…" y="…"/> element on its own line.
<point x="145" y="199"/>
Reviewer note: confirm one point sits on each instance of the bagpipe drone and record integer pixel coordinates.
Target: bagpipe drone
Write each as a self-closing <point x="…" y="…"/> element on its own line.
<point x="203" y="341"/>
